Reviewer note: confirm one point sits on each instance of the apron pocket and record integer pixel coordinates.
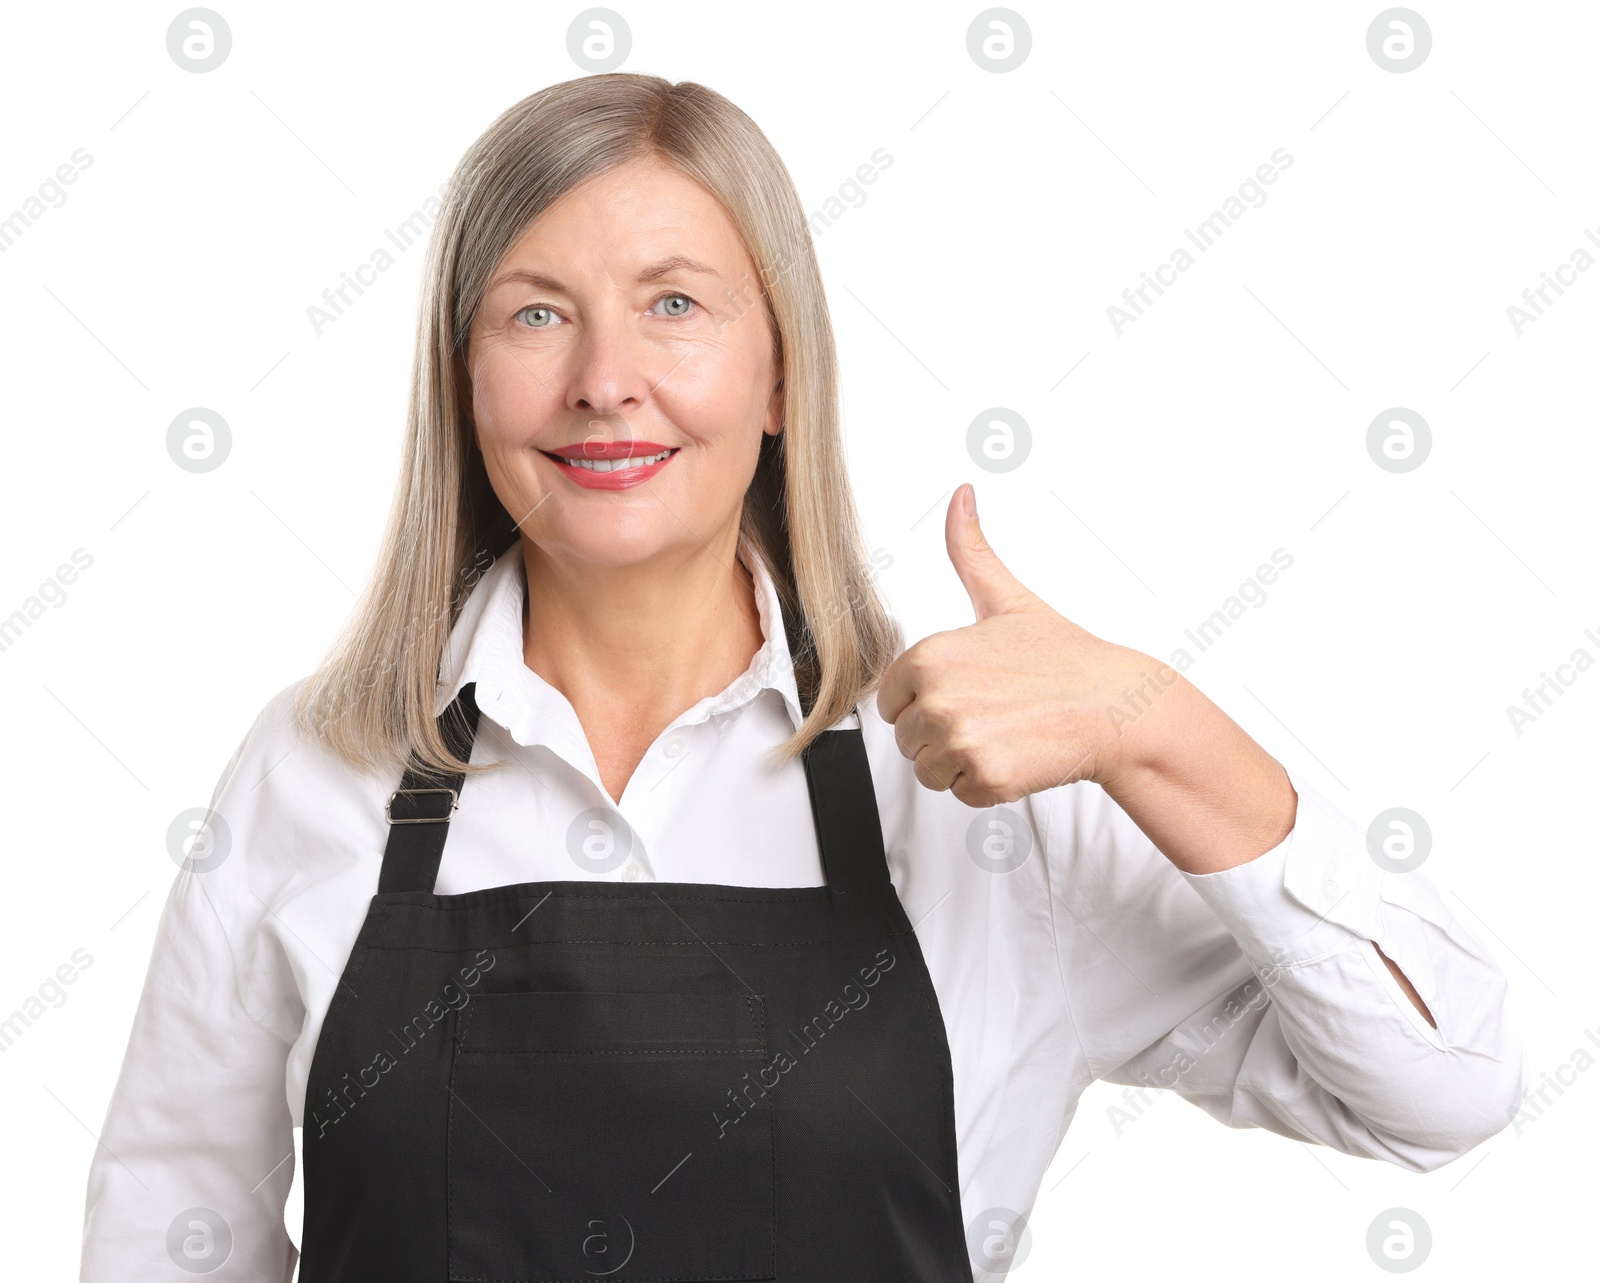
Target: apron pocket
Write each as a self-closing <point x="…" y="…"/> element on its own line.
<point x="619" y="1136"/>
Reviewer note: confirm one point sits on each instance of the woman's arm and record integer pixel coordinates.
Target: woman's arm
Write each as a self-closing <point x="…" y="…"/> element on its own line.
<point x="1025" y="700"/>
<point x="1256" y="993"/>
<point x="1201" y="789"/>
<point x="196" y="1156"/>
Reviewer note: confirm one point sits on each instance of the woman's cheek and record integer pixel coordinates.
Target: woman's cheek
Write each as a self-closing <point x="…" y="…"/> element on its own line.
<point x="508" y="392"/>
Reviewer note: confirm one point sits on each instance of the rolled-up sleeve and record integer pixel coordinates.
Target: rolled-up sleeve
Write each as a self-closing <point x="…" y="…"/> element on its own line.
<point x="1256" y="992"/>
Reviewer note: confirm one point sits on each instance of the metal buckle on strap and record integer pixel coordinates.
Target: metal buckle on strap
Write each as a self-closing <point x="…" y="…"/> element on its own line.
<point x="423" y="819"/>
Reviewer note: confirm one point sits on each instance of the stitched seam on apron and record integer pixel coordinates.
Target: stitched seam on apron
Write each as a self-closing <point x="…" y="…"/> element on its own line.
<point x="450" y="1141"/>
<point x="758" y="1012"/>
<point x="586" y="895"/>
<point x="659" y="1051"/>
<point x="366" y="953"/>
<point x="747" y="944"/>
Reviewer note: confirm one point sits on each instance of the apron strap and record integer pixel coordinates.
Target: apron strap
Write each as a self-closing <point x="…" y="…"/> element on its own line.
<point x="419" y="810"/>
<point x="844" y="806"/>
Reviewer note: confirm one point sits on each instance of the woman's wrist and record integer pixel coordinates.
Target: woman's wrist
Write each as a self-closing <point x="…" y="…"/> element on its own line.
<point x="1193" y="780"/>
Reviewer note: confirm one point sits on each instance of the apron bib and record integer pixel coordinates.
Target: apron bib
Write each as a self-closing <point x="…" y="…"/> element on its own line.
<point x="563" y="1081"/>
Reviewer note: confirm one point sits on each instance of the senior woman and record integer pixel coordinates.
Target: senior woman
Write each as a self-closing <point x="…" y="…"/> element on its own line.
<point x="761" y="947"/>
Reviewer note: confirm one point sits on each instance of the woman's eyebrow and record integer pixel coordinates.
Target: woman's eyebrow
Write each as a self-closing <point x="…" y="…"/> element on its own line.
<point x="674" y="263"/>
<point x="665" y="267"/>
<point x="537" y="279"/>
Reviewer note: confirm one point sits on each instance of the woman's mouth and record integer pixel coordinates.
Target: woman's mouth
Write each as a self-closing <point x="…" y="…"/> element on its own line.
<point x="611" y="465"/>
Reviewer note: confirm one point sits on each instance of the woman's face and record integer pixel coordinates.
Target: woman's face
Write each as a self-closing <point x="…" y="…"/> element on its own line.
<point x="626" y="322"/>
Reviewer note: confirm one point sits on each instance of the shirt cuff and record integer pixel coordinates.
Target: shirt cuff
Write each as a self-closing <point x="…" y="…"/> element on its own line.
<point x="1308" y="896"/>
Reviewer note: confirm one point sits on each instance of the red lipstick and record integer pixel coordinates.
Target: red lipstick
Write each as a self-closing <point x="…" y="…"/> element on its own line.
<point x="610" y="465"/>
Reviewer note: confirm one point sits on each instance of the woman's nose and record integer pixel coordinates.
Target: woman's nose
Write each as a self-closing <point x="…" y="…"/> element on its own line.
<point x="611" y="372"/>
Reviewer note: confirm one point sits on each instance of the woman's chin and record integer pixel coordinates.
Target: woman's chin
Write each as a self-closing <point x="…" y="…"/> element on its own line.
<point x="617" y="543"/>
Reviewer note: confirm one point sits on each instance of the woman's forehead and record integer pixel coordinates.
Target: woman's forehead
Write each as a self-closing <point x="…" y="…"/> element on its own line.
<point x="637" y="216"/>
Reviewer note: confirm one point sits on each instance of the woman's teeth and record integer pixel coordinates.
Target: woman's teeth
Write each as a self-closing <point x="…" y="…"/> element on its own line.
<point x="613" y="465"/>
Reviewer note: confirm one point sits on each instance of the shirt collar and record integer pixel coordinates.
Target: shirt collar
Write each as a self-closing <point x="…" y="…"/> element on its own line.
<point x="485" y="647"/>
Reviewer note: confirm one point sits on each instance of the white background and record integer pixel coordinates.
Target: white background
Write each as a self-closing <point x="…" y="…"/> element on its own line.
<point x="1228" y="421"/>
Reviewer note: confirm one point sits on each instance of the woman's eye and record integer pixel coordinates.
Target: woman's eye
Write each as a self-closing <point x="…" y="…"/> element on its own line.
<point x="677" y="304"/>
<point x="540" y="317"/>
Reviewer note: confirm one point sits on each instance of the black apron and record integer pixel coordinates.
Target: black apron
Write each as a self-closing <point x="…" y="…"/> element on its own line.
<point x="652" y="1081"/>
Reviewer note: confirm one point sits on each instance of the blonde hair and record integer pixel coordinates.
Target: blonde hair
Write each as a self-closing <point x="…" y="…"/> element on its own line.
<point x="371" y="700"/>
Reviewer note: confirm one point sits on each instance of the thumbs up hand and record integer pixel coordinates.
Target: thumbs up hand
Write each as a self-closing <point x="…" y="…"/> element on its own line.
<point x="1015" y="702"/>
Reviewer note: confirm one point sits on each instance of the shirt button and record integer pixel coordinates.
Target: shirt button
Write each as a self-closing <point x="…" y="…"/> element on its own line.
<point x="672" y="747"/>
<point x="631" y="872"/>
<point x="1330" y="890"/>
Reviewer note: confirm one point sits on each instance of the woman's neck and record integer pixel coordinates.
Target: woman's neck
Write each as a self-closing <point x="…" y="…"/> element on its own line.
<point x="631" y="647"/>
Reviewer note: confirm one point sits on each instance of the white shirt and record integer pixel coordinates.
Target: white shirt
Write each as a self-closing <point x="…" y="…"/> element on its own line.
<point x="1093" y="958"/>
